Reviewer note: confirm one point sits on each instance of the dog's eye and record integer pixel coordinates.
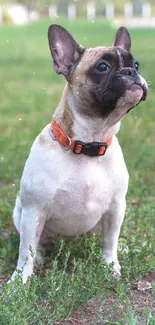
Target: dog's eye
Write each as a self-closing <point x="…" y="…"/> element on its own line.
<point x="102" y="67"/>
<point x="136" y="64"/>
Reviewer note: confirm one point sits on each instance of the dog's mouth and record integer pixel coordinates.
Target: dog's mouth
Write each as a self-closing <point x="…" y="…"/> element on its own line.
<point x="144" y="89"/>
<point x="140" y="92"/>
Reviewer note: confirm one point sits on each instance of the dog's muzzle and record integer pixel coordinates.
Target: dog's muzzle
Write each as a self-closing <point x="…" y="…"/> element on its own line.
<point x="134" y="77"/>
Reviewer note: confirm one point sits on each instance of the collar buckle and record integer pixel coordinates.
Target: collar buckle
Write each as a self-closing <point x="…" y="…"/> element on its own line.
<point x="91" y="149"/>
<point x="70" y="144"/>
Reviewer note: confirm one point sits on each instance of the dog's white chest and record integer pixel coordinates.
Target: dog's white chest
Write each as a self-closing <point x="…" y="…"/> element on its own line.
<point x="80" y="198"/>
<point x="74" y="191"/>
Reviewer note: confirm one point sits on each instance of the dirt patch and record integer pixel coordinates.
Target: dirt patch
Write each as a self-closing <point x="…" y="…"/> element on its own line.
<point x="97" y="313"/>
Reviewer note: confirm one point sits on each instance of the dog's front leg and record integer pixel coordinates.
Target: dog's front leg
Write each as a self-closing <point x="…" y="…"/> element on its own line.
<point x="32" y="224"/>
<point x="111" y="224"/>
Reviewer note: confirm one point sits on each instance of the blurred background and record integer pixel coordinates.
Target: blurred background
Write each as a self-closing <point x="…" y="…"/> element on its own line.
<point x="30" y="91"/>
<point x="22" y="11"/>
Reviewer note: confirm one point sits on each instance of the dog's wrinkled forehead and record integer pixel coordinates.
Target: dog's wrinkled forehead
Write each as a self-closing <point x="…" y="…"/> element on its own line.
<point x="116" y="56"/>
<point x="91" y="55"/>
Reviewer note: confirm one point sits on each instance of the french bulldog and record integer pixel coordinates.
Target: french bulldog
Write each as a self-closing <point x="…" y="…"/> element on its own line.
<point x="75" y="176"/>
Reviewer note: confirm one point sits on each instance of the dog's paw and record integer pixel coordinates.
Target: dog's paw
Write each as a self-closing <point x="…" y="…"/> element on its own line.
<point x="117" y="269"/>
<point x="21" y="274"/>
<point x="15" y="274"/>
<point x="115" y="265"/>
<point x="39" y="255"/>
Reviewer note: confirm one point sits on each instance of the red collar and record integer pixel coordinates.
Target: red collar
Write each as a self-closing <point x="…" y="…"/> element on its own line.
<point x="87" y="148"/>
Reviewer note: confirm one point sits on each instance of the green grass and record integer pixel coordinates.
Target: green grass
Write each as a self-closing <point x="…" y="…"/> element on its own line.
<point x="74" y="273"/>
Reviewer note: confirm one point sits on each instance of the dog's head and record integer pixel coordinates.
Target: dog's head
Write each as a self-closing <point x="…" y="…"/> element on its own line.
<point x="102" y="80"/>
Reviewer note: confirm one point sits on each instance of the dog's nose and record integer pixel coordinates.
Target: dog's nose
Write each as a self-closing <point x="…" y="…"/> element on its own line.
<point x="129" y="72"/>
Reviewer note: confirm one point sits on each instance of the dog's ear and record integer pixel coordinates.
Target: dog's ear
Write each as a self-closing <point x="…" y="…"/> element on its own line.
<point x="122" y="39"/>
<point x="66" y="52"/>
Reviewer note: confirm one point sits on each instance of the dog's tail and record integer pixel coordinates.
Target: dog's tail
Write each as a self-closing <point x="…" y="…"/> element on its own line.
<point x="17" y="213"/>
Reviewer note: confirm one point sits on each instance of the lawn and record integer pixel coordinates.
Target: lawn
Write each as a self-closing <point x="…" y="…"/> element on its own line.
<point x="74" y="286"/>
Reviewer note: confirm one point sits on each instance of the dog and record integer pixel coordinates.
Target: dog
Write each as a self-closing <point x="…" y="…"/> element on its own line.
<point x="75" y="176"/>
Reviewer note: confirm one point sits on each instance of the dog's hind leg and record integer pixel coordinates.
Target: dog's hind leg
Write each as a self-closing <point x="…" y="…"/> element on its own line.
<point x="39" y="255"/>
<point x="46" y="244"/>
<point x="17" y="213"/>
